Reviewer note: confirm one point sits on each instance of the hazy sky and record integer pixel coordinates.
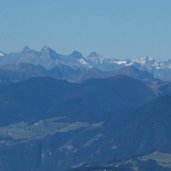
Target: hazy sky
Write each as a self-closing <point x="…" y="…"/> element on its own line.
<point x="113" y="28"/>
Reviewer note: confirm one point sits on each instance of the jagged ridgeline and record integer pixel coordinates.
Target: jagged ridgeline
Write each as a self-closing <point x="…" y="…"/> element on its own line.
<point x="75" y="67"/>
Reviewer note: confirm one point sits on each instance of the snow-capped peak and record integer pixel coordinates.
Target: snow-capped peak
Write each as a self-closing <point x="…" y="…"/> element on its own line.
<point x="145" y="60"/>
<point x="95" y="59"/>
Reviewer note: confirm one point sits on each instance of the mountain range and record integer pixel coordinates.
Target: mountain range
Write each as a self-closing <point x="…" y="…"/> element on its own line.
<point x="74" y="113"/>
<point x="18" y="66"/>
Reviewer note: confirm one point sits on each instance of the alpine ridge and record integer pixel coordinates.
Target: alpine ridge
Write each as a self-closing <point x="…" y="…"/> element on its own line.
<point x="75" y="67"/>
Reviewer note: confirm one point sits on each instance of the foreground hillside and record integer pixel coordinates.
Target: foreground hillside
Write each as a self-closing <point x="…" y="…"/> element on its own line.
<point x="93" y="99"/>
<point x="117" y="123"/>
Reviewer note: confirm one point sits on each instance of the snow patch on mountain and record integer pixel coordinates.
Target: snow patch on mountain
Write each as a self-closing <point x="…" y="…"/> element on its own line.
<point x="83" y="62"/>
<point x="120" y="62"/>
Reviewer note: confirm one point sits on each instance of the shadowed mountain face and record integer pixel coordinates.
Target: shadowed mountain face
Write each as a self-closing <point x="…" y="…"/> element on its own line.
<point x="148" y="128"/>
<point x="100" y="124"/>
<point x="165" y="88"/>
<point x="23" y="71"/>
<point x="14" y="73"/>
<point x="93" y="99"/>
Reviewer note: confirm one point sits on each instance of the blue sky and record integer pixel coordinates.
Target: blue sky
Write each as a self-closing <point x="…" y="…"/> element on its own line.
<point x="113" y="28"/>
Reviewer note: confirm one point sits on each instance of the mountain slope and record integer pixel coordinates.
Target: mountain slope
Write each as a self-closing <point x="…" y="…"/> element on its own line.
<point x="148" y="128"/>
<point x="44" y="97"/>
<point x="62" y="125"/>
